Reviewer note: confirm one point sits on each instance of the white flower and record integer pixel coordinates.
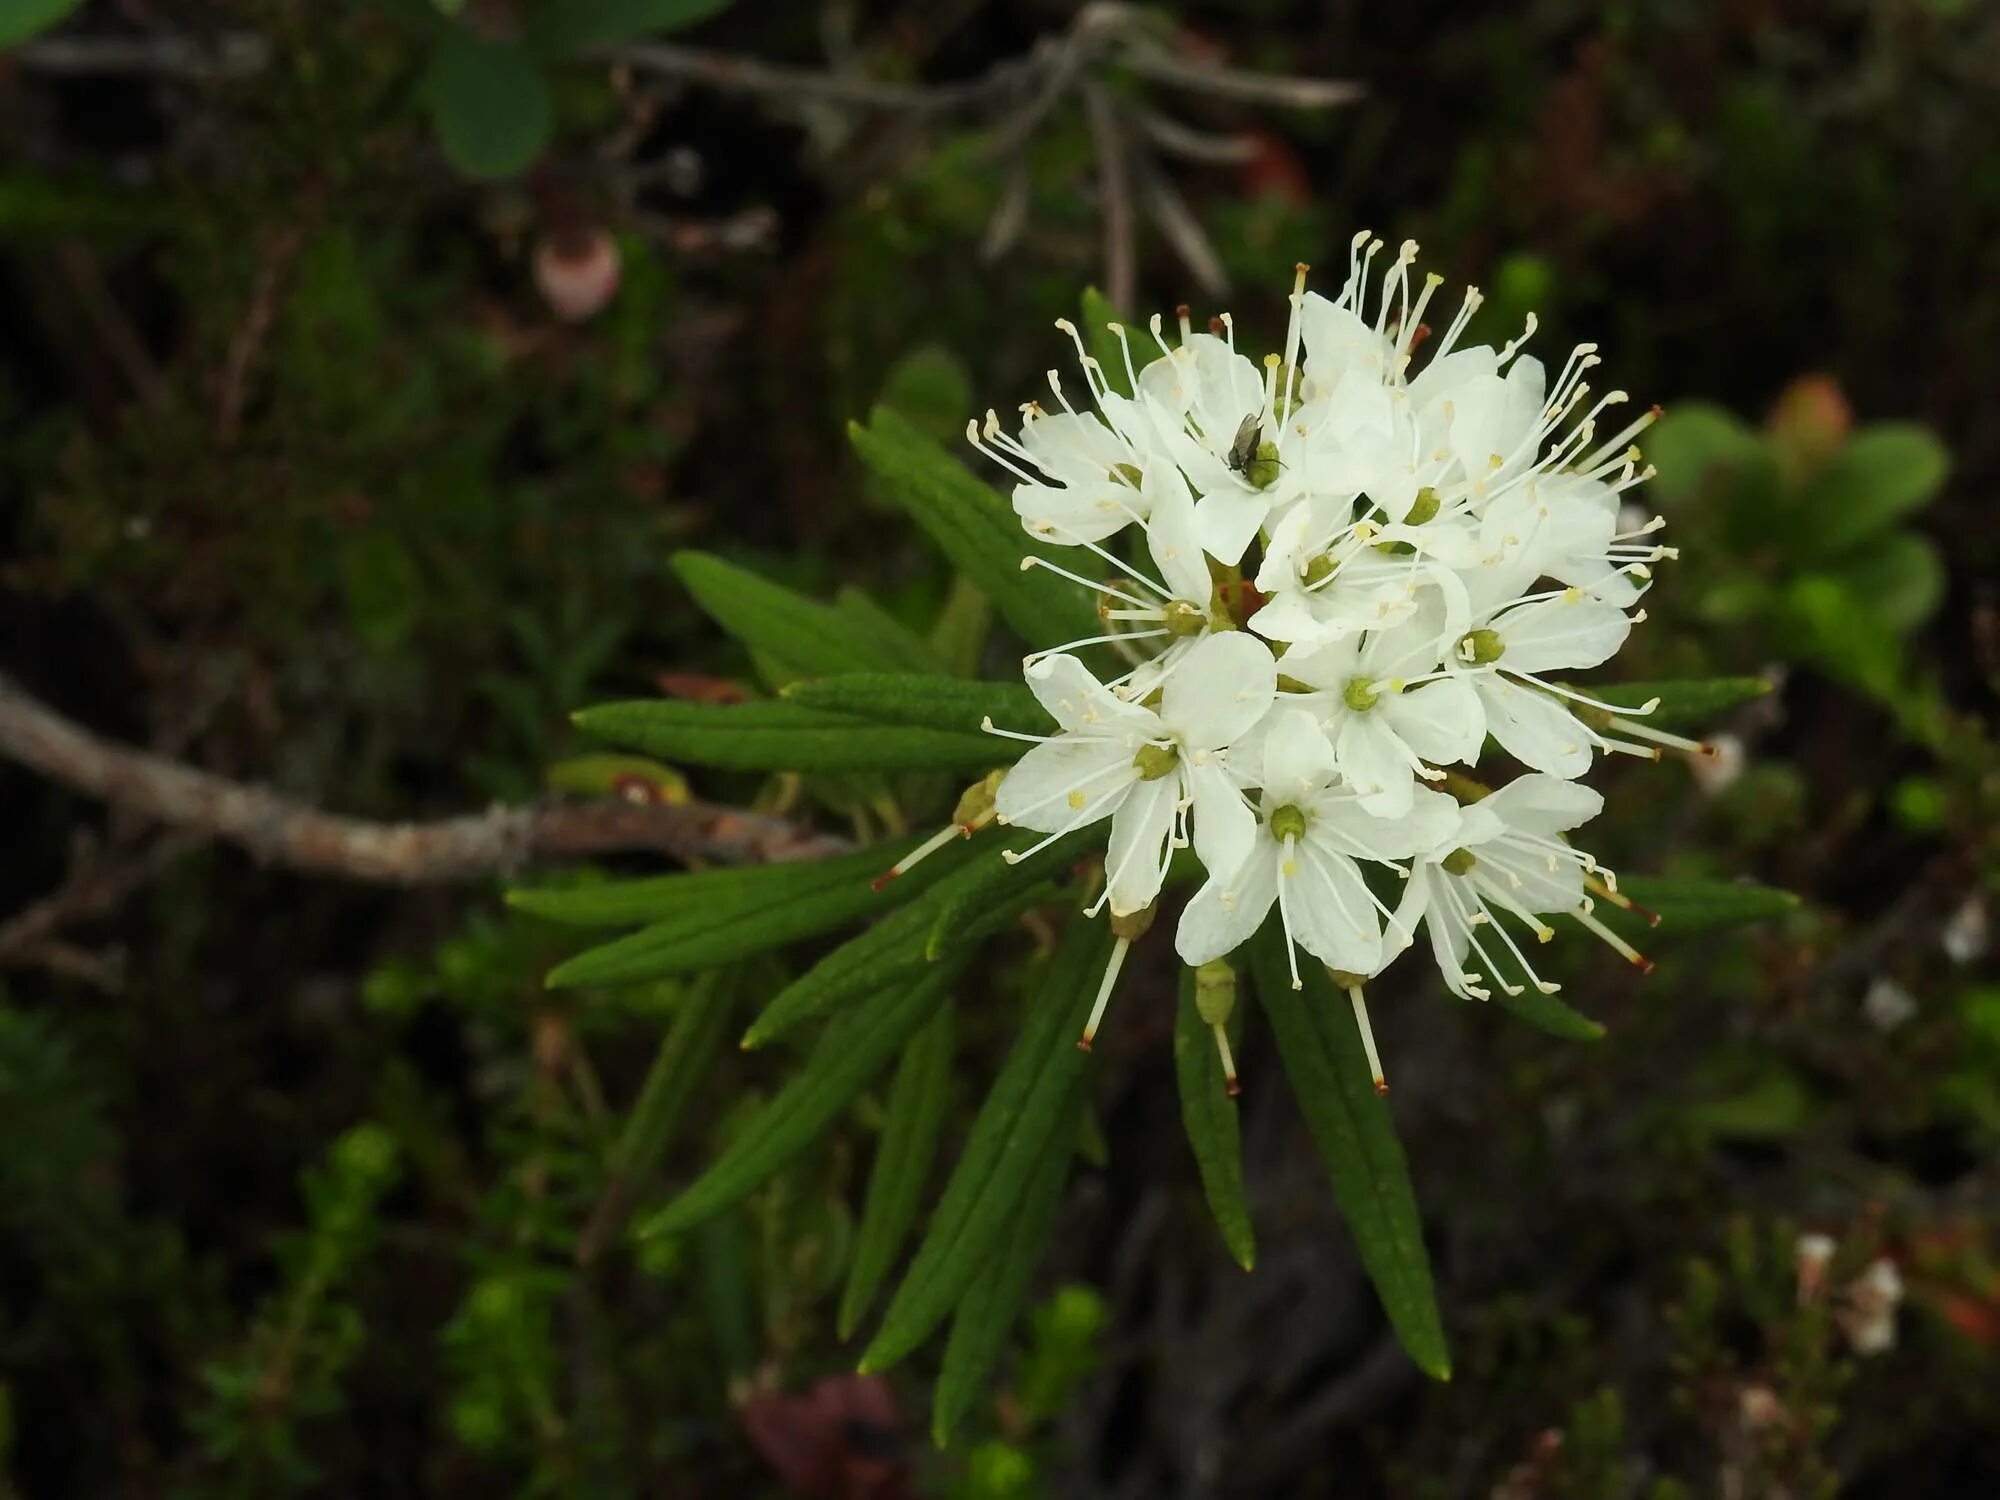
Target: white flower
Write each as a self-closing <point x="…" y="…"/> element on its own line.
<point x="1386" y="710"/>
<point x="1145" y="770"/>
<point x="1310" y="833"/>
<point x="1506" y="856"/>
<point x="1505" y="657"/>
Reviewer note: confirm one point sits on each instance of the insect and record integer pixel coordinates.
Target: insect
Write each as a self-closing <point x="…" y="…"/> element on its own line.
<point x="1243" y="447"/>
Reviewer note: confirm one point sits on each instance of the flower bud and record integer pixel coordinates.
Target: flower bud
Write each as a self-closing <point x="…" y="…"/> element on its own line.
<point x="577" y="272"/>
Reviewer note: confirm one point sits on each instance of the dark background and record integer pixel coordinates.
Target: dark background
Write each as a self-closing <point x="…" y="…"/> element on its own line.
<point x="310" y="483"/>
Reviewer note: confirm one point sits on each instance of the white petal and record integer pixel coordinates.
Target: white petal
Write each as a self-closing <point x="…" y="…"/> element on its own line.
<point x="1224" y="826"/>
<point x="1062" y="779"/>
<point x="1171" y="537"/>
<point x="1079" y="702"/>
<point x="1543" y="804"/>
<point x="1227" y="517"/>
<point x="1442" y="721"/>
<point x="1569" y="631"/>
<point x="1134" y="861"/>
<point x="1228" y="909"/>
<point x="1376" y="764"/>
<point x="1077" y="513"/>
<point x="1331" y="915"/>
<point x="1223" y="686"/>
<point x="1534" y="728"/>
<point x="1297" y="760"/>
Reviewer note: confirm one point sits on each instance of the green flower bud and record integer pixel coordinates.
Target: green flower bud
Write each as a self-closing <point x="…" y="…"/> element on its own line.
<point x="1215" y="992"/>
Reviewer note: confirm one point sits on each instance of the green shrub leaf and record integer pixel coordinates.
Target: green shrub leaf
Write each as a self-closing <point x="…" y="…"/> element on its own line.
<point x="1028" y="1114"/>
<point x="903" y="1156"/>
<point x="988" y="1309"/>
<point x="1688" y="702"/>
<point x="1693" y="904"/>
<point x="1885" y="472"/>
<point x="777" y="736"/>
<point x="1328" y="1068"/>
<point x="977" y="530"/>
<point x="1549" y="1013"/>
<point x="929" y="702"/>
<point x="490" y="104"/>
<point x="22" y="19"/>
<point x="1209" y="1116"/>
<point x="817" y="639"/>
<point x="846" y="1060"/>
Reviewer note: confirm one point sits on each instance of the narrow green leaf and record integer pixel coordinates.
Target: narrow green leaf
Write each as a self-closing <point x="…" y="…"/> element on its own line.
<point x="1688" y="702"/>
<point x="739" y="925"/>
<point x="895" y="639"/>
<point x="1209" y="1115"/>
<point x="910" y="1133"/>
<point x="977" y="530"/>
<point x="847" y="1058"/>
<point x="779" y="736"/>
<point x="891" y="949"/>
<point x="1885" y="472"/>
<point x="999" y="880"/>
<point x="1328" y="1068"/>
<point x="980" y="1323"/>
<point x="617" y="775"/>
<point x="1693" y="904"/>
<point x="702" y="896"/>
<point x="1016" y="1127"/>
<point x="490" y="103"/>
<point x="683" y="1060"/>
<point x="1549" y="1013"/>
<point x="817" y="639"/>
<point x="958" y="638"/>
<point x="929" y="702"/>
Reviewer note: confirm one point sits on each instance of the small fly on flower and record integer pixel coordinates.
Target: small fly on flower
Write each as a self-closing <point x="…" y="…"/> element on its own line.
<point x="1243" y="447"/>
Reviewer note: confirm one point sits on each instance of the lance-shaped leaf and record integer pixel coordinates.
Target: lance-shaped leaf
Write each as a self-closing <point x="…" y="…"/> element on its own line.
<point x="683" y="1059"/>
<point x="1209" y="1115"/>
<point x="1684" y="703"/>
<point x="903" y="1156"/>
<point x="1328" y="1067"/>
<point x="977" y="530"/>
<point x="930" y="703"/>
<point x="997" y="879"/>
<point x="815" y="638"/>
<point x="693" y="940"/>
<point x="780" y="736"/>
<point x="972" y="902"/>
<point x="1549" y="1013"/>
<point x="703" y="896"/>
<point x="847" y="1058"/>
<point x="980" y="1323"/>
<point x="1024" y="1117"/>
<point x="1686" y="903"/>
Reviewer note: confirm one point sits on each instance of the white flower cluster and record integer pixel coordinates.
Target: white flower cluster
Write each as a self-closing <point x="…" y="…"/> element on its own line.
<point x="1359" y="571"/>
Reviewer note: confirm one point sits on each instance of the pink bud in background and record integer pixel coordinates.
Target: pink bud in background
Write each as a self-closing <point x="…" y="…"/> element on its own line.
<point x="577" y="272"/>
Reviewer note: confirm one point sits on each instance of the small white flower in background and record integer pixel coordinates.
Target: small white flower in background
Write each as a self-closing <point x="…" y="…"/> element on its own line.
<point x="1344" y="565"/>
<point x="1887" y="1004"/>
<point x="1868" y="1314"/>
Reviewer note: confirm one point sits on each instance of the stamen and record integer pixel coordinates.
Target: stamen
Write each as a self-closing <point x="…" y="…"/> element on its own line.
<point x="1367" y="1038"/>
<point x="1618" y="945"/>
<point x="1118" y="951"/>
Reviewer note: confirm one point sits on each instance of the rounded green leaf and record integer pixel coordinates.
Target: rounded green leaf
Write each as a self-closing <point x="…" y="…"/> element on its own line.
<point x="490" y="104"/>
<point x="21" y="19"/>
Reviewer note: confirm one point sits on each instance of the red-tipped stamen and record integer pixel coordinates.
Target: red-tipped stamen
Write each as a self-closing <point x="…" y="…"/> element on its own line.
<point x="1617" y="944"/>
<point x="1118" y="952"/>
<point x="924" y="850"/>
<point x="1623" y="902"/>
<point x="1367" y="1038"/>
<point x="1661" y="737"/>
<point x="1230" y="1085"/>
